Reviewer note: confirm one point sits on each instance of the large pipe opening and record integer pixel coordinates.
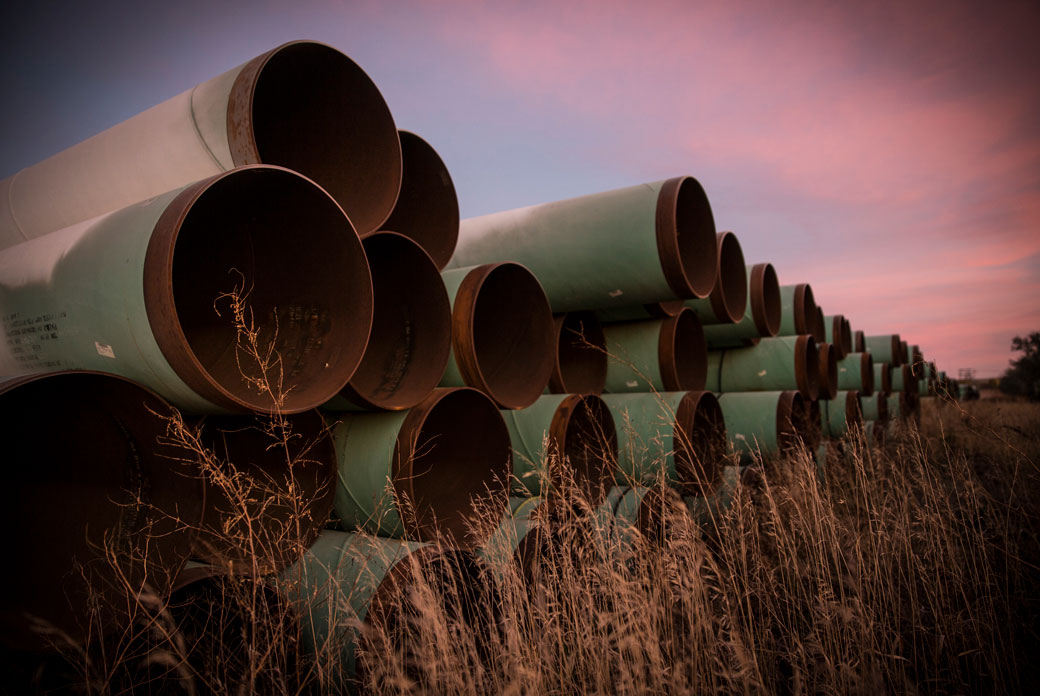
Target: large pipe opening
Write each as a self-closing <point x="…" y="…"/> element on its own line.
<point x="411" y="327"/>
<point x="819" y="326"/>
<point x="846" y="336"/>
<point x="828" y="366"/>
<point x="859" y="342"/>
<point x="807" y="366"/>
<point x="270" y="486"/>
<point x="730" y="295"/>
<point x="427" y="210"/>
<point x="700" y="443"/>
<point x="270" y="243"/>
<point x="582" y="429"/>
<point x="87" y="481"/>
<point x="503" y="334"/>
<point x="766" y="309"/>
<point x="866" y="371"/>
<point x="682" y="352"/>
<point x="307" y="107"/>
<point x="836" y="324"/>
<point x="885" y="370"/>
<point x="452" y="459"/>
<point x="581" y="355"/>
<point x="804" y="309"/>
<point x="686" y="237"/>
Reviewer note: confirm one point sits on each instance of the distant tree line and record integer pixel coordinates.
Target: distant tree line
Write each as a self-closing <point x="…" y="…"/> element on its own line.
<point x="1023" y="377"/>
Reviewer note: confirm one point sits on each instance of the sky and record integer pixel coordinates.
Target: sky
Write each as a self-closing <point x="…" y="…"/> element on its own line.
<point x="887" y="153"/>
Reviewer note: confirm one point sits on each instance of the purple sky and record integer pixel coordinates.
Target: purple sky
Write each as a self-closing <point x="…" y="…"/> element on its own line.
<point x="886" y="153"/>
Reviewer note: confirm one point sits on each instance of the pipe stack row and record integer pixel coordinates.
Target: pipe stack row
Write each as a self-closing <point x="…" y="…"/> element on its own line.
<point x="279" y="352"/>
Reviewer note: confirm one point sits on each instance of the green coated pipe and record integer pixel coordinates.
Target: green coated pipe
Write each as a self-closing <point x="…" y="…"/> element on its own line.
<point x="98" y="505"/>
<point x="859" y="342"/>
<point x="145" y="293"/>
<point x="885" y="349"/>
<point x="882" y="377"/>
<point x="856" y="371"/>
<point x="411" y="330"/>
<point x="517" y="537"/>
<point x="902" y="379"/>
<point x="874" y="433"/>
<point x="895" y="406"/>
<point x="616" y="249"/>
<point x="906" y="356"/>
<point x="661" y="354"/>
<point x="784" y="362"/>
<point x="425" y="472"/>
<point x="798" y="310"/>
<point x="875" y="407"/>
<point x="828" y="365"/>
<point x="503" y="340"/>
<point x="841" y="414"/>
<point x="678" y="435"/>
<point x="580" y="365"/>
<point x="727" y="302"/>
<point x="837" y="333"/>
<point x="304" y="106"/>
<point x="762" y="424"/>
<point x="427" y="209"/>
<point x="819" y="328"/>
<point x="708" y="510"/>
<point x="651" y="310"/>
<point x="761" y="316"/>
<point x="563" y="440"/>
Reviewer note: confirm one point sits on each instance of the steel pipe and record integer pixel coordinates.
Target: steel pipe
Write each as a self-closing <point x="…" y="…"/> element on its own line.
<point x="660" y="355"/>
<point x="856" y="371"/>
<point x="616" y="249"/>
<point x="304" y="106"/>
<point x="410" y="342"/>
<point x="841" y="414"/>
<point x="838" y="334"/>
<point x="581" y="355"/>
<point x="427" y="210"/>
<point x="563" y="440"/>
<point x="678" y="435"/>
<point x="819" y="328"/>
<point x="798" y="310"/>
<point x="902" y="379"/>
<point x="149" y="293"/>
<point x="425" y="472"/>
<point x="97" y="508"/>
<point x="828" y="365"/>
<point x="882" y="377"/>
<point x="874" y="408"/>
<point x="502" y="333"/>
<point x="859" y="342"/>
<point x="766" y="423"/>
<point x="885" y="349"/>
<point x="761" y="316"/>
<point x="727" y="302"/>
<point x="784" y="362"/>
<point x="874" y="433"/>
<point x="708" y="510"/>
<point x="650" y="310"/>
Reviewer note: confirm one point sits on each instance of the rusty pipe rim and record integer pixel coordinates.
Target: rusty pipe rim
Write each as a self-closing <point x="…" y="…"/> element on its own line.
<point x="289" y="483"/>
<point x="97" y="482"/>
<point x="859" y="342"/>
<point x="886" y="379"/>
<point x="582" y="432"/>
<point x="828" y="366"/>
<point x="804" y="309"/>
<point x="853" y="410"/>
<point x="837" y="336"/>
<point x="427" y="210"/>
<point x="700" y="443"/>
<point x="503" y="335"/>
<point x="897" y="351"/>
<point x="580" y="365"/>
<point x="410" y="341"/>
<point x="791" y="420"/>
<point x="807" y="366"/>
<point x="909" y="383"/>
<point x="819" y="326"/>
<point x="846" y="335"/>
<point x="312" y="297"/>
<point x="729" y="295"/>
<point x="682" y="352"/>
<point x="866" y="371"/>
<point x="307" y="107"/>
<point x="685" y="230"/>
<point x="766" y="310"/>
<point x="453" y="457"/>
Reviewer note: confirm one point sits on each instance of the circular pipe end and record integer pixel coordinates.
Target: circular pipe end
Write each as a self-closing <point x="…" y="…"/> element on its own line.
<point x="819" y="326"/>
<point x="836" y="324"/>
<point x="730" y="293"/>
<point x="853" y="410"/>
<point x="807" y="366"/>
<point x="700" y="443"/>
<point x="859" y="342"/>
<point x="804" y="309"/>
<point x="227" y="244"/>
<point x="307" y="107"/>
<point x="898" y="354"/>
<point x="411" y="329"/>
<point x="582" y="430"/>
<point x="686" y="237"/>
<point x="846" y="336"/>
<point x="427" y="211"/>
<point x="764" y="295"/>
<point x="886" y="379"/>
<point x="794" y="424"/>
<point x="581" y="355"/>
<point x="503" y="336"/>
<point x="882" y="408"/>
<point x="453" y="453"/>
<point x="866" y="371"/>
<point x="828" y="365"/>
<point x="682" y="352"/>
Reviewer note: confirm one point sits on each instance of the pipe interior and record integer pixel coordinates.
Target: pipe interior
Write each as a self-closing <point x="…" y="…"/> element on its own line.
<point x="790" y="420"/>
<point x="811" y="365"/>
<point x="581" y="354"/>
<point x="700" y="446"/>
<point x="733" y="277"/>
<point x="829" y="368"/>
<point x="690" y="353"/>
<point x="819" y="327"/>
<point x="427" y="210"/>
<point x="808" y="309"/>
<point x="846" y="336"/>
<point x="866" y="370"/>
<point x="513" y="335"/>
<point x="299" y="268"/>
<point x="316" y="112"/>
<point x="411" y="325"/>
<point x="461" y="452"/>
<point x="591" y="447"/>
<point x="695" y="230"/>
<point x="93" y="468"/>
<point x="767" y="308"/>
<point x="853" y="411"/>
